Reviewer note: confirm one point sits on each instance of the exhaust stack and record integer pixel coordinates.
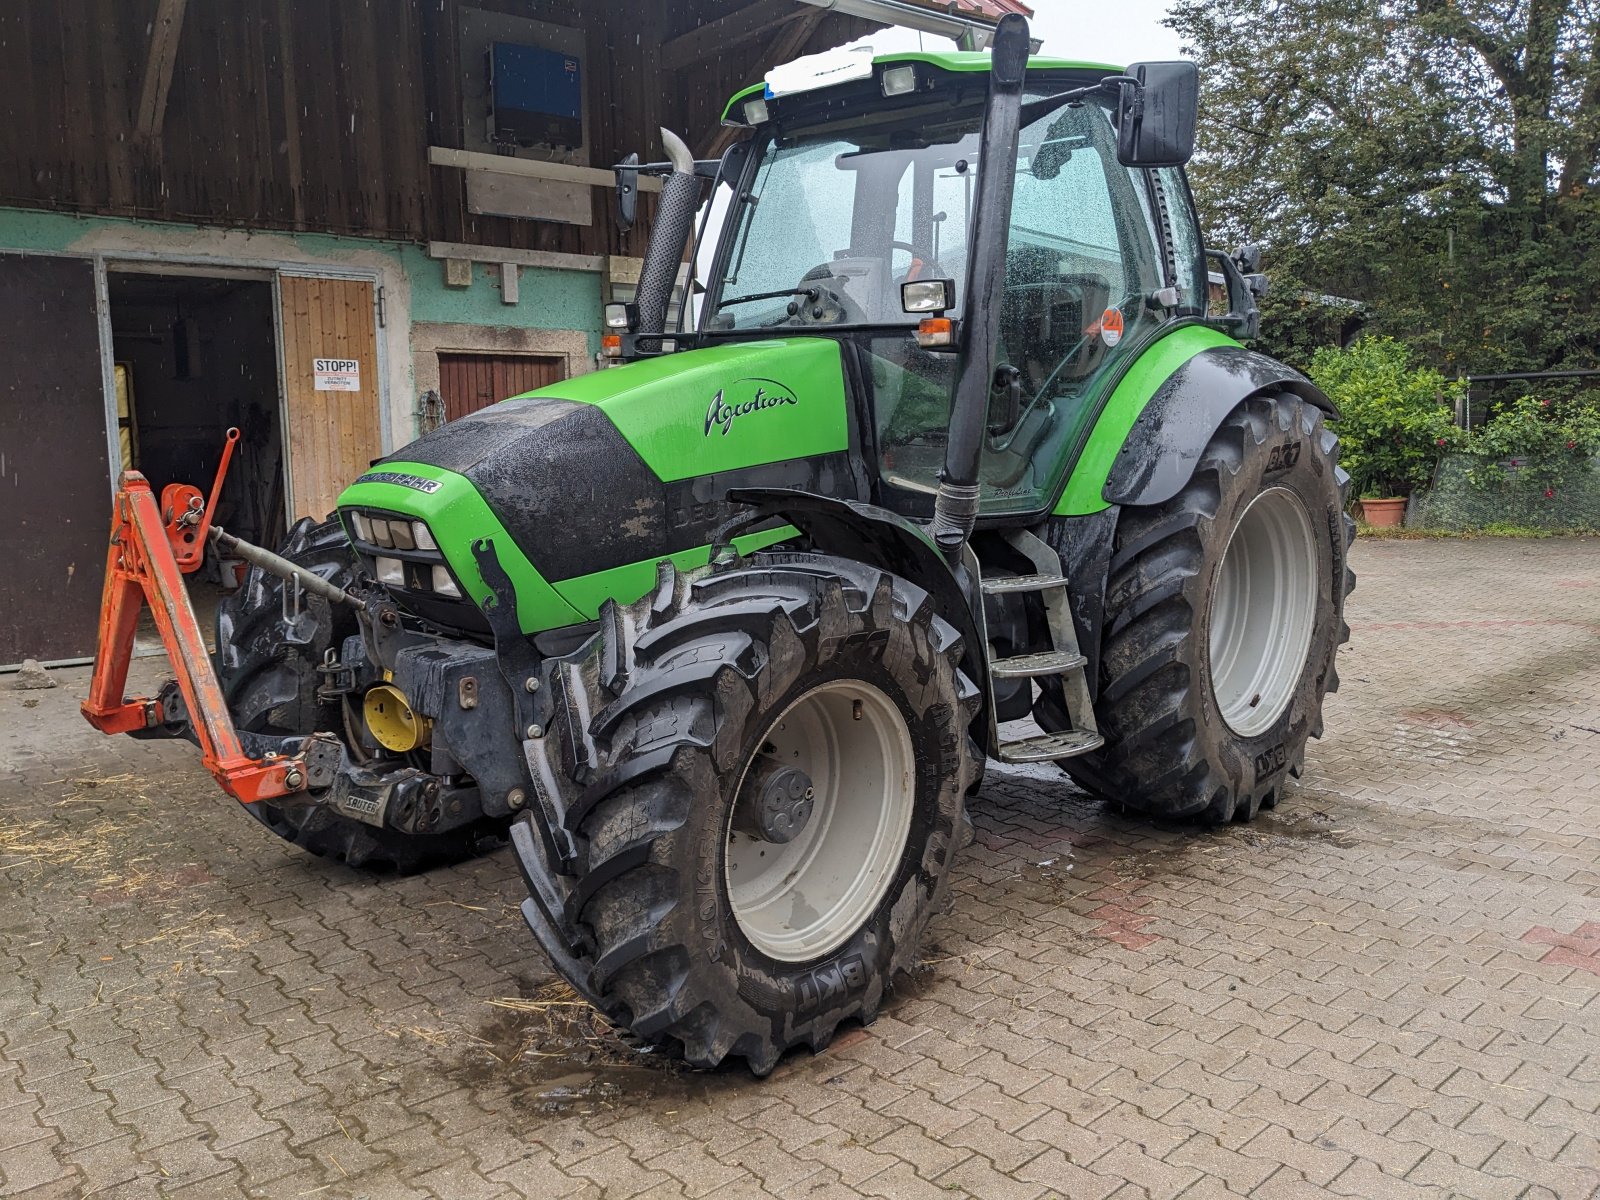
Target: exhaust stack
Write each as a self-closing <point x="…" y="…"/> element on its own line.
<point x="680" y="196"/>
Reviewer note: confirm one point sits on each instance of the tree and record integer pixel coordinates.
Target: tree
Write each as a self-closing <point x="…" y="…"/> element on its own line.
<point x="1436" y="159"/>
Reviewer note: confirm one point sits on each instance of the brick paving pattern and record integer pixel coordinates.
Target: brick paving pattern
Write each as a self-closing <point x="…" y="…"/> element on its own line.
<point x="1389" y="987"/>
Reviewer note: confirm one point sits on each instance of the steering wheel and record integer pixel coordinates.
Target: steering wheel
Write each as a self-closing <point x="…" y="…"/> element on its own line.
<point x="930" y="267"/>
<point x="829" y="305"/>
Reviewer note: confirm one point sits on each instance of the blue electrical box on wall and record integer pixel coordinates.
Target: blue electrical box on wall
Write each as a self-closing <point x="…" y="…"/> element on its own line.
<point x="535" y="96"/>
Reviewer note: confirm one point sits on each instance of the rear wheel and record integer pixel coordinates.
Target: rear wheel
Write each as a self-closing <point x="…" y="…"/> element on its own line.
<point x="1224" y="607"/>
<point x="778" y="799"/>
<point x="267" y="667"/>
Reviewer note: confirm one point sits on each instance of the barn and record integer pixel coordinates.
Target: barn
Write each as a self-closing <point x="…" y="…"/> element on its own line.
<point x="331" y="226"/>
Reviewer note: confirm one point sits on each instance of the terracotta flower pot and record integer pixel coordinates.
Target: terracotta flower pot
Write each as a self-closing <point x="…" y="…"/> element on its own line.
<point x="1384" y="514"/>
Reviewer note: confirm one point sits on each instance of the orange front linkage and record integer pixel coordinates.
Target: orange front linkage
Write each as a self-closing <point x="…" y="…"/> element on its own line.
<point x="144" y="565"/>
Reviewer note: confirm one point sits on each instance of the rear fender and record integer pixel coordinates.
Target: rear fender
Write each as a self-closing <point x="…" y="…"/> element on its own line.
<point x="867" y="533"/>
<point x="1164" y="446"/>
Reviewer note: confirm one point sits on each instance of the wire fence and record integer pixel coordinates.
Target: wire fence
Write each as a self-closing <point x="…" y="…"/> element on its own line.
<point x="1456" y="503"/>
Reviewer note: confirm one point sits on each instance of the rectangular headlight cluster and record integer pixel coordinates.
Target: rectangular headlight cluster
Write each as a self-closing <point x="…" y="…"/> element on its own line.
<point x="417" y="577"/>
<point x="393" y="533"/>
<point x="400" y="533"/>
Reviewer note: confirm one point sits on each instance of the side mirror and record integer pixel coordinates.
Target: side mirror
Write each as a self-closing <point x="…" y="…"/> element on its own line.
<point x="1156" y="115"/>
<point x="627" y="192"/>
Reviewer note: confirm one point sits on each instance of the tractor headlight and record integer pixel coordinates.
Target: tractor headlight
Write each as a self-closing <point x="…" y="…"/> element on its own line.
<point x="444" y="585"/>
<point x="414" y="562"/>
<point x="898" y="81"/>
<point x="380" y="532"/>
<point x="755" y="111"/>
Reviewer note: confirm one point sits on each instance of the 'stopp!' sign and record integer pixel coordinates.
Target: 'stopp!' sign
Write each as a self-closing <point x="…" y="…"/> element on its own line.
<point x="337" y="374"/>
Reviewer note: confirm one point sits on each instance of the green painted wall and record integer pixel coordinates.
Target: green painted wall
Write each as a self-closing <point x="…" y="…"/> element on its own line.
<point x="549" y="299"/>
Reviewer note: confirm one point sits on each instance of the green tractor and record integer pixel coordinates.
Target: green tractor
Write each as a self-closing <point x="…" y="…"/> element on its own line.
<point x="950" y="433"/>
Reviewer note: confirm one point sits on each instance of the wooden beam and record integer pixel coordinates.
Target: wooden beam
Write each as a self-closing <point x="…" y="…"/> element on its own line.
<point x="501" y="164"/>
<point x="291" y="114"/>
<point x="165" y="31"/>
<point x="788" y="46"/>
<point x="794" y="38"/>
<point x="708" y="39"/>
<point x="550" y="260"/>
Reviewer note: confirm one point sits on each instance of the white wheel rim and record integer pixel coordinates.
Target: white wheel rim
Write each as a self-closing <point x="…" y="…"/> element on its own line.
<point x="1263" y="609"/>
<point x="803" y="898"/>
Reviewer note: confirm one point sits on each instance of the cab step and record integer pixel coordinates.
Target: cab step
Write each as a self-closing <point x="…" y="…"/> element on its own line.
<point x="1031" y="666"/>
<point x="1047" y="747"/>
<point x="1001" y="585"/>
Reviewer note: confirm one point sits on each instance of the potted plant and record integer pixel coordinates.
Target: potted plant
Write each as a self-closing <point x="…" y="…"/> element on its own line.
<point x="1395" y="421"/>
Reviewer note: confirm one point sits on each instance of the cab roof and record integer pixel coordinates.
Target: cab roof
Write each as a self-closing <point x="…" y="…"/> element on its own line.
<point x="964" y="61"/>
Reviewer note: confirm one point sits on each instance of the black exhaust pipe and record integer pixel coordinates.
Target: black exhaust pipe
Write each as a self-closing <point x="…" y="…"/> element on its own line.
<point x="956" y="507"/>
<point x="680" y="196"/>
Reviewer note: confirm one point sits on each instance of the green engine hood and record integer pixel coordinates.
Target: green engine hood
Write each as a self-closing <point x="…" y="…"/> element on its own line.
<point x="585" y="485"/>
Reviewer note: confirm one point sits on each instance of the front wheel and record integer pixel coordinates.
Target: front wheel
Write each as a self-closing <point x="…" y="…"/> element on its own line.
<point x="779" y="799"/>
<point x="1224" y="608"/>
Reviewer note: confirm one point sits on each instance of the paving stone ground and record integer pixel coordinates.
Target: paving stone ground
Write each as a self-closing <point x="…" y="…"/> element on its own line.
<point x="1389" y="987"/>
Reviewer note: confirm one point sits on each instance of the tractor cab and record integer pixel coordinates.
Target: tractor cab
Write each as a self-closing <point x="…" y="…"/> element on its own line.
<point x="848" y="212"/>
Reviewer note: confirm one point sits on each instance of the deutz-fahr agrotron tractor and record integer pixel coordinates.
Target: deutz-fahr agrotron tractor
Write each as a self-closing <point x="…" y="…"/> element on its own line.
<point x="947" y="436"/>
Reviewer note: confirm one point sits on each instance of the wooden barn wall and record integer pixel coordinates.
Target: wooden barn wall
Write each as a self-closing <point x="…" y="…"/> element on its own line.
<point x="309" y="115"/>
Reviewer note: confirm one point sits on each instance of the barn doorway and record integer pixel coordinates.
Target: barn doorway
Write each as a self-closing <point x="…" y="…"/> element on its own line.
<point x="469" y="382"/>
<point x="196" y="355"/>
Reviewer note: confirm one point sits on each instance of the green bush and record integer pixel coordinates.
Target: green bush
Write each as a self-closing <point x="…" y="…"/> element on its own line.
<point x="1536" y="447"/>
<point x="1395" y="419"/>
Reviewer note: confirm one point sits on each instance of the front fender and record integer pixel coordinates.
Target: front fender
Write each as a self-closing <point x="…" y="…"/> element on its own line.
<point x="1163" y="447"/>
<point x="867" y="533"/>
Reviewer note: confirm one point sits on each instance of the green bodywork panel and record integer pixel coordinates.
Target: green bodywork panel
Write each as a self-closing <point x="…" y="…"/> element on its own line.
<point x="457" y="516"/>
<point x="743" y="404"/>
<point x="954" y="60"/>
<point x="1084" y="491"/>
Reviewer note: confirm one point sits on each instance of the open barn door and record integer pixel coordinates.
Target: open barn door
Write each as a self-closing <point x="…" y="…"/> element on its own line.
<point x="54" y="474"/>
<point x="330" y="387"/>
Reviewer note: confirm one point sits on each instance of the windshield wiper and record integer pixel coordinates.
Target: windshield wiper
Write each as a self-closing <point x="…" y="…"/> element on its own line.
<point x="810" y="293"/>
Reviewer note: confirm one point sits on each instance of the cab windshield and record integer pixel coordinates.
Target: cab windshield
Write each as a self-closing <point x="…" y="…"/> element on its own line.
<point x="840" y="216"/>
<point x="836" y="221"/>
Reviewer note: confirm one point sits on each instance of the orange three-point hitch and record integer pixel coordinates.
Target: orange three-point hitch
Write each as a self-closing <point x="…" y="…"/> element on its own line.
<point x="151" y="551"/>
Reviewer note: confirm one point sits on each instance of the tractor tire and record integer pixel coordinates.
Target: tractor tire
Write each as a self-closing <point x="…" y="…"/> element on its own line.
<point x="1224" y="608"/>
<point x="733" y="908"/>
<point x="268" y="673"/>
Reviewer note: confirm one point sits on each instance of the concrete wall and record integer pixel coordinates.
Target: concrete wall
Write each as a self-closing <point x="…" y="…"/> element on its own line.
<point x="558" y="310"/>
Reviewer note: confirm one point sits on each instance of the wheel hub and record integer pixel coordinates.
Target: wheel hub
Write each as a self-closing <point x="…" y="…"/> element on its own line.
<point x="775" y="802"/>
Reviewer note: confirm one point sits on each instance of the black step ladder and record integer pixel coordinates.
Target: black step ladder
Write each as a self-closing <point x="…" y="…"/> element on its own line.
<point x="1063" y="658"/>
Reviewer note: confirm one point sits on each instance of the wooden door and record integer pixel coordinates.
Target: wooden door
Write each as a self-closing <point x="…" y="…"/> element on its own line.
<point x="330" y="385"/>
<point x="468" y="382"/>
<point x="55" y="492"/>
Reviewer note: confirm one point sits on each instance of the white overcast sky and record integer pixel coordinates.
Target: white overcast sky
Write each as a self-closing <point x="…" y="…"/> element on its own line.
<point x="1121" y="33"/>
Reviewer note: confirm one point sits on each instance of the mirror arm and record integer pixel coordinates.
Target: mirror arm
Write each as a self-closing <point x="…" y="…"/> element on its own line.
<point x="1043" y="107"/>
<point x="1244" y="319"/>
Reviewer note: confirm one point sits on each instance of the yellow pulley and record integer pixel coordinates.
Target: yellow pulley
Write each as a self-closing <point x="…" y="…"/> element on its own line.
<point x="392" y="720"/>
